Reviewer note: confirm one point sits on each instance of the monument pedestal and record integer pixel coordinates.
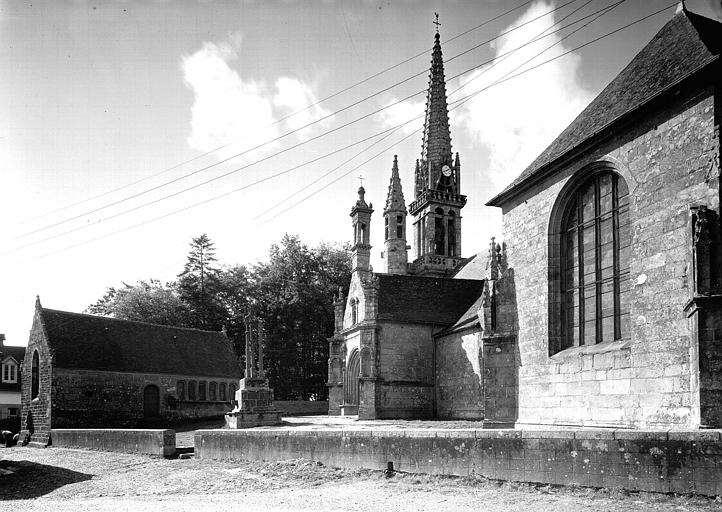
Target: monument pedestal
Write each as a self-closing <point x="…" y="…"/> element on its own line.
<point x="255" y="406"/>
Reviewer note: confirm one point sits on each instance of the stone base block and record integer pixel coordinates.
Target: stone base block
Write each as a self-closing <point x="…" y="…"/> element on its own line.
<point x="244" y="419"/>
<point x="349" y="410"/>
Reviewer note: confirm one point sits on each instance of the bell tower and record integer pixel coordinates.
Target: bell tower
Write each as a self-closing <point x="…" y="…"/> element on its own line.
<point x="361" y="220"/>
<point x="437" y="200"/>
<point x="395" y="225"/>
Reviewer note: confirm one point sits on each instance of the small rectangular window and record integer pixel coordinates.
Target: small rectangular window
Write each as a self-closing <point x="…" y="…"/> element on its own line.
<point x="9" y="372"/>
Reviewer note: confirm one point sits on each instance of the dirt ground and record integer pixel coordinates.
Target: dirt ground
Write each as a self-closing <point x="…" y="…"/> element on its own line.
<point x="60" y="479"/>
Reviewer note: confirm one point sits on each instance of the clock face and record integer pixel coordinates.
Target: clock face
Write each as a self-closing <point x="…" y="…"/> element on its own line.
<point x="446" y="171"/>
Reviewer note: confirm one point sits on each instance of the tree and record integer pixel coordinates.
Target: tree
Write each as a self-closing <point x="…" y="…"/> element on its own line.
<point x="145" y="301"/>
<point x="198" y="285"/>
<point x="294" y="293"/>
<point x="236" y="291"/>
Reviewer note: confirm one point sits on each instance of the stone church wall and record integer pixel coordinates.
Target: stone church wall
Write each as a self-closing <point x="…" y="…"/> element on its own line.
<point x="459" y="380"/>
<point x="36" y="414"/>
<point x="648" y="381"/>
<point x="88" y="398"/>
<point x="405" y="388"/>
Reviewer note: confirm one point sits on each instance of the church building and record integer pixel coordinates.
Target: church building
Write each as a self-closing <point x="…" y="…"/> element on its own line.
<point x="383" y="355"/>
<point x="603" y="306"/>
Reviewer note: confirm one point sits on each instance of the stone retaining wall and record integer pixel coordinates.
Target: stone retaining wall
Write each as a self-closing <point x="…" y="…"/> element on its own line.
<point x="657" y="461"/>
<point x="157" y="442"/>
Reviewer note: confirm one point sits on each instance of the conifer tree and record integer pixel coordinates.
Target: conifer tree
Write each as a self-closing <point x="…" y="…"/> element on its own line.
<point x="198" y="285"/>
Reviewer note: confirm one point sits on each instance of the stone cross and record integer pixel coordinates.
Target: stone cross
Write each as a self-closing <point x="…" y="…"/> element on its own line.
<point x="261" y="336"/>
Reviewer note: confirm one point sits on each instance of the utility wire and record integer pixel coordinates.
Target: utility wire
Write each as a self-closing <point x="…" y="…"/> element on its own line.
<point x="276" y="139"/>
<point x="608" y="34"/>
<point x="458" y="102"/>
<point x="284" y="118"/>
<point x="496" y="62"/>
<point x="309" y="185"/>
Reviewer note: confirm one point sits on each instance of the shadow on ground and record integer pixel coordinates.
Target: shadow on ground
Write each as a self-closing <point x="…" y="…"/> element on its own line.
<point x="31" y="480"/>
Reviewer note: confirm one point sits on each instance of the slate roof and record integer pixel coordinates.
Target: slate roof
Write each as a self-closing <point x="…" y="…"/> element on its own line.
<point x="80" y="341"/>
<point x="425" y="300"/>
<point x="685" y="45"/>
<point x="473" y="267"/>
<point x="470" y="318"/>
<point x="17" y="352"/>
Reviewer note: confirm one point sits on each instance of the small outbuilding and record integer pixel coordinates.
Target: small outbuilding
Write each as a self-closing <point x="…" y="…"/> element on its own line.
<point x="10" y="360"/>
<point x="87" y="371"/>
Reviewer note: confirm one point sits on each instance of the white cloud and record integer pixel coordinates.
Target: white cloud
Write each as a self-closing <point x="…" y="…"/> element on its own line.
<point x="292" y="98"/>
<point x="516" y="120"/>
<point x="399" y="113"/>
<point x="229" y="109"/>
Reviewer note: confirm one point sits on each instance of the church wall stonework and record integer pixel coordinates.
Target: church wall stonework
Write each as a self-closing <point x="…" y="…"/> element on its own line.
<point x="405" y="371"/>
<point x="35" y="420"/>
<point x="87" y="398"/>
<point x="650" y="379"/>
<point x="459" y="380"/>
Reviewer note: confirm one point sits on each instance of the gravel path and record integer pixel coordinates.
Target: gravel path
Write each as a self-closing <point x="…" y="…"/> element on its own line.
<point x="61" y="479"/>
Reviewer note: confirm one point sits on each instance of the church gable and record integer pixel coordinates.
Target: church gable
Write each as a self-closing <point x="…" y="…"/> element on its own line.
<point x="356" y="309"/>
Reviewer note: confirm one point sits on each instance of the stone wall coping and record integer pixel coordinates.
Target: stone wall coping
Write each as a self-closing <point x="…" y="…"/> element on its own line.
<point x="100" y="430"/>
<point x="711" y="435"/>
<point x="156" y="442"/>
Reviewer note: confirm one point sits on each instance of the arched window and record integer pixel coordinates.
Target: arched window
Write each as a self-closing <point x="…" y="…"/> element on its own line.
<point x="181" y="389"/>
<point x="35" y="377"/>
<point x="594" y="250"/>
<point x="191" y="390"/>
<point x="386" y="228"/>
<point x="354" y="311"/>
<point x="439" y="231"/>
<point x="202" y="391"/>
<point x="212" y="391"/>
<point x="232" y="392"/>
<point x="351" y="379"/>
<point x="451" y="234"/>
<point x="399" y="226"/>
<point x="222" y="392"/>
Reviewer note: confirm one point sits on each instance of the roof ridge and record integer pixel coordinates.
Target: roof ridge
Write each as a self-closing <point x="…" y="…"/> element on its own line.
<point x="139" y="322"/>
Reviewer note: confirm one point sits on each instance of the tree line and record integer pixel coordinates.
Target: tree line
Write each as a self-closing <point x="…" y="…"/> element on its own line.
<point x="291" y="292"/>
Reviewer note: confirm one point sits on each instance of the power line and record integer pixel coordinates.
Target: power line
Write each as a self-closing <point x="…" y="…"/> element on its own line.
<point x="307" y="186"/>
<point x="608" y="34"/>
<point x="461" y="101"/>
<point x="284" y="118"/>
<point x="495" y="62"/>
<point x="276" y="139"/>
<point x="344" y="174"/>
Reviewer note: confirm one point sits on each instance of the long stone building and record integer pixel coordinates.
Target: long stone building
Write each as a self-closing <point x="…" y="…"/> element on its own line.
<point x="86" y="371"/>
<point x="603" y="306"/>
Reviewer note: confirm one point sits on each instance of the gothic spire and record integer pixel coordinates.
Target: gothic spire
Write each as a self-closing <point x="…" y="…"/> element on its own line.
<point x="436" y="142"/>
<point x="395" y="198"/>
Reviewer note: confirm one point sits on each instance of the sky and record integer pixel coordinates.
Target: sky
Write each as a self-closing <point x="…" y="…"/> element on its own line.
<point x="129" y="127"/>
